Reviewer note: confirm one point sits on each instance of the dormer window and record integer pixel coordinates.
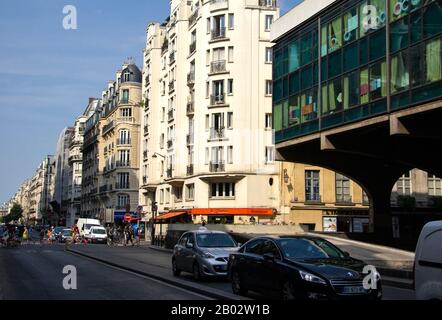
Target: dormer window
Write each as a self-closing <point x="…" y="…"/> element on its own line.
<point x="126" y="76"/>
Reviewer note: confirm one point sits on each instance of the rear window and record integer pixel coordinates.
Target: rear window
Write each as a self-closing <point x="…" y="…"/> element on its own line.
<point x="431" y="248"/>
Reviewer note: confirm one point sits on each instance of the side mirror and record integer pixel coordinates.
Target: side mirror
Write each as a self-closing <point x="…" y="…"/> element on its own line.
<point x="189" y="245"/>
<point x="270" y="257"/>
<point x="346" y="254"/>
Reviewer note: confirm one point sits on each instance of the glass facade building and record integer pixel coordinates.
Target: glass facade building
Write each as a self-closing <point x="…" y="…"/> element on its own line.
<point x="355" y="60"/>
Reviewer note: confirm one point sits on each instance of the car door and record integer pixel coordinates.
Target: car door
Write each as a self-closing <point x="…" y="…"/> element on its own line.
<point x="179" y="252"/>
<point x="252" y="264"/>
<point x="269" y="271"/>
<point x="189" y="253"/>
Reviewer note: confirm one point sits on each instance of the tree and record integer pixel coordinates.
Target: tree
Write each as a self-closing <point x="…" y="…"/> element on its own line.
<point x="16" y="213"/>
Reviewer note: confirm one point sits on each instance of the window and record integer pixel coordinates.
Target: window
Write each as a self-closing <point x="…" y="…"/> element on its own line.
<point x="268" y="22"/>
<point x="230" y="154"/>
<point x="178" y="194"/>
<point x="231" y="21"/>
<point x="125" y="96"/>
<point x="167" y="195"/>
<point x="403" y="185"/>
<point x="400" y="78"/>
<point x="162" y="138"/>
<point x="207" y="157"/>
<point x="123" y="181"/>
<point x="207" y="89"/>
<point x="208" y="25"/>
<point x="342" y="189"/>
<point x="269" y="55"/>
<point x="229" y="120"/>
<point x="335" y="35"/>
<point x="434" y="186"/>
<point x="268" y="121"/>
<point x="269" y="87"/>
<point x="378" y="79"/>
<point x="126" y="112"/>
<point x="208" y="58"/>
<point x="230" y="54"/>
<point x="222" y="190"/>
<point x="312" y="186"/>
<point x="270" y="155"/>
<point x="230" y="87"/>
<point x="124" y="136"/>
<point x="190" y="191"/>
<point x="161" y="196"/>
<point x="124" y="158"/>
<point x="123" y="200"/>
<point x="207" y="122"/>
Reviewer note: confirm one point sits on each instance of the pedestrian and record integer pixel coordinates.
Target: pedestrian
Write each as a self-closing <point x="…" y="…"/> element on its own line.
<point x="139" y="235"/>
<point x="49" y="235"/>
<point x="25" y="235"/>
<point x="42" y="235"/>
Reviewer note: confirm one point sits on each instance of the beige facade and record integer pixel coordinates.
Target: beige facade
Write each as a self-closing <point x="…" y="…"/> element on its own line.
<point x="207" y="137"/>
<point x="318" y="199"/>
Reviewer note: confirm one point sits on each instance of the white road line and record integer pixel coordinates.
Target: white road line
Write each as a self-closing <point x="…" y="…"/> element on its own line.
<point x="143" y="276"/>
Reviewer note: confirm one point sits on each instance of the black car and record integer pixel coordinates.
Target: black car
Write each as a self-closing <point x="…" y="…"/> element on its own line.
<point x="300" y="267"/>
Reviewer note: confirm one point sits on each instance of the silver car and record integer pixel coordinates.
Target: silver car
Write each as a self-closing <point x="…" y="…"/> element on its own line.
<point x="203" y="253"/>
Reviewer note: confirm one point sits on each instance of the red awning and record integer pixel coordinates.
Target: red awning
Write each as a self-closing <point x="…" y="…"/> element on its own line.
<point x="170" y="215"/>
<point x="234" y="211"/>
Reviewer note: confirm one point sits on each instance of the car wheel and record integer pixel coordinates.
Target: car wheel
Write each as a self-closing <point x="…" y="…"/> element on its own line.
<point x="197" y="272"/>
<point x="237" y="286"/>
<point x="288" y="291"/>
<point x="175" y="270"/>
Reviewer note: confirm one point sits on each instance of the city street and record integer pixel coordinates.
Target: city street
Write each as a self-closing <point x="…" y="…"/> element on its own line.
<point x="35" y="272"/>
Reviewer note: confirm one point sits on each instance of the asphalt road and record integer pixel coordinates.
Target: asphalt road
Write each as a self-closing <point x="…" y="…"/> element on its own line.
<point x="35" y="272"/>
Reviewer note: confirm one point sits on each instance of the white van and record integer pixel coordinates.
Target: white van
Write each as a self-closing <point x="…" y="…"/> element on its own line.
<point x="97" y="235"/>
<point x="428" y="263"/>
<point x="84" y="225"/>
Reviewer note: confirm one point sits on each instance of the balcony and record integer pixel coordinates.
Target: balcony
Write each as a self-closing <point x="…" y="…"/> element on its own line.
<point x="126" y="119"/>
<point x="217" y="133"/>
<point x="268" y="4"/>
<point x="108" y="127"/>
<point x="218" y="5"/>
<point x="219" y="34"/>
<point x="172" y="57"/>
<point x="124" y="142"/>
<point x="103" y="189"/>
<point x="190" y="108"/>
<point x="313" y="198"/>
<point x="193" y="17"/>
<point x="171" y="86"/>
<point x="344" y="199"/>
<point x="122" y="186"/>
<point x="170" y="115"/>
<point x="190" y="170"/>
<point x="122" y="164"/>
<point x="169" y="144"/>
<point x="216" y="100"/>
<point x="189" y="139"/>
<point x="217" y="166"/>
<point x="124" y="101"/>
<point x="169" y="172"/>
<point x="218" y="66"/>
<point x="191" y="78"/>
<point x="192" y="47"/>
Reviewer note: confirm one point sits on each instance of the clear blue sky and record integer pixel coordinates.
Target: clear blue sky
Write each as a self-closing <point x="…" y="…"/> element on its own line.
<point x="48" y="73"/>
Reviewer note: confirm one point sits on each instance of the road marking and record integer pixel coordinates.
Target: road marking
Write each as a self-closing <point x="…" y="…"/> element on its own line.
<point x="142" y="276"/>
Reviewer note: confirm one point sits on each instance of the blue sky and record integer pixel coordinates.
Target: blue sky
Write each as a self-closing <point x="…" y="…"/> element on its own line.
<point x="48" y="73"/>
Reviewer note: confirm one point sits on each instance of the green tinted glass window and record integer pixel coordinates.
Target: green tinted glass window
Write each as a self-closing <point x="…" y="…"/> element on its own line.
<point x="377" y="45"/>
<point x="335" y="34"/>
<point x="432" y="19"/>
<point x="294" y="83"/>
<point x="306" y="78"/>
<point x="378" y="80"/>
<point x="285" y="114"/>
<point x="400" y="79"/>
<point x="416" y="27"/>
<point x="351" y="25"/>
<point x="364" y="87"/>
<point x="277" y="117"/>
<point x="433" y="60"/>
<point x="351" y="60"/>
<point x="294" y="56"/>
<point x="351" y="89"/>
<point x="294" y="111"/>
<point x="335" y="95"/>
<point x="334" y="64"/>
<point x="306" y="49"/>
<point x="399" y="35"/>
<point x="324" y="41"/>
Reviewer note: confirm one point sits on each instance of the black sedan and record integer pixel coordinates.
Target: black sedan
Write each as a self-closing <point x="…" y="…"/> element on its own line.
<point x="301" y="267"/>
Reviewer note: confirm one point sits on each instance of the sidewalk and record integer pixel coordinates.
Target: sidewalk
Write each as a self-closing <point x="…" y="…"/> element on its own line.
<point x="154" y="264"/>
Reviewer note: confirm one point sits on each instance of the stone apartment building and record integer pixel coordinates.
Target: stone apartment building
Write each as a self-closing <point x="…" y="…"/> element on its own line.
<point x="207" y="125"/>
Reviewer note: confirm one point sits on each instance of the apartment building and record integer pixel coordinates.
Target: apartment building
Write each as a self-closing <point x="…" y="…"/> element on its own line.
<point x="119" y="145"/>
<point x="61" y="198"/>
<point x="207" y="148"/>
<point x="90" y="206"/>
<point x="318" y="199"/>
<point x="75" y="171"/>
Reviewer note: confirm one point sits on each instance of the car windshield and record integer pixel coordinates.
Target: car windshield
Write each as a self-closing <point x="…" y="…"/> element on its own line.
<point x="58" y="229"/>
<point x="214" y="240"/>
<point x="88" y="226"/>
<point x="67" y="232"/>
<point x="98" y="231"/>
<point x="304" y="248"/>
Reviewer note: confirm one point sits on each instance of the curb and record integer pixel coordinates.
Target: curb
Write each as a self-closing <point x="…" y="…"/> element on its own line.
<point x="155" y="248"/>
<point x="213" y="293"/>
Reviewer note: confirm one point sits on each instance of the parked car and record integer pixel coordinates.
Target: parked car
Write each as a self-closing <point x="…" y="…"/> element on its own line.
<point x="203" y="253"/>
<point x="428" y="263"/>
<point x="96" y="234"/>
<point x="65" y="236"/>
<point x="57" y="232"/>
<point x="299" y="267"/>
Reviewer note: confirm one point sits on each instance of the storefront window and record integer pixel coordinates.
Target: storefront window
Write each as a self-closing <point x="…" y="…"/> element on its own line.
<point x="400" y="78"/>
<point x="335" y="34"/>
<point x="351" y="90"/>
<point x="433" y="60"/>
<point x="378" y="79"/>
<point x="294" y="111"/>
<point x="351" y="25"/>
